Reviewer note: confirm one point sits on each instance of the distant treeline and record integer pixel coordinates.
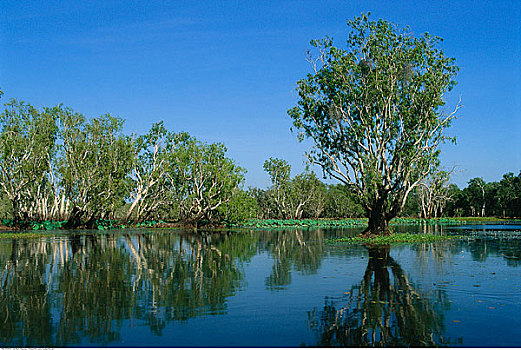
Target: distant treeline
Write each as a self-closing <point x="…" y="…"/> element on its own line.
<point x="58" y="166"/>
<point x="305" y="196"/>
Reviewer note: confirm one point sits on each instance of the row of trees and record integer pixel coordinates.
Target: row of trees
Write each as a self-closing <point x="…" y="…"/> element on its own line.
<point x="56" y="165"/>
<point x="437" y="197"/>
<point x="305" y="196"/>
<point x="480" y="198"/>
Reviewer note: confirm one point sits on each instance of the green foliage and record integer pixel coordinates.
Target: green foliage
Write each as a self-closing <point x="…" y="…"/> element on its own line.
<point x="351" y="222"/>
<point x="479" y="198"/>
<point x="279" y="171"/>
<point x="342" y="202"/>
<point x="242" y="206"/>
<point x="151" y="188"/>
<point x="202" y="177"/>
<point x="373" y="111"/>
<point x="304" y="195"/>
<point x="8" y="222"/>
<point x="276" y="223"/>
<point x="94" y="165"/>
<point x="47" y="225"/>
<point x="27" y="145"/>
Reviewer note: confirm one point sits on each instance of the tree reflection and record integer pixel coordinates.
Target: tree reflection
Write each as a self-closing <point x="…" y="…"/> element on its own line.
<point x="81" y="288"/>
<point x="298" y="249"/>
<point x="24" y="311"/>
<point x="385" y="309"/>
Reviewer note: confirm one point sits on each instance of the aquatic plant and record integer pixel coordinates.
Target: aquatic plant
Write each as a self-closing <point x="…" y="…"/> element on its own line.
<point x="394" y="238"/>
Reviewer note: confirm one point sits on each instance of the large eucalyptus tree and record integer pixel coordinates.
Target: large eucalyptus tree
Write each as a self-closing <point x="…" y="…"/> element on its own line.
<point x="374" y="112"/>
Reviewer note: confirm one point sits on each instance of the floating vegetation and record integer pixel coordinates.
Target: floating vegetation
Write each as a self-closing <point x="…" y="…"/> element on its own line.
<point x="351" y="222"/>
<point x="24" y="234"/>
<point x="100" y="224"/>
<point x="277" y="223"/>
<point x="395" y="238"/>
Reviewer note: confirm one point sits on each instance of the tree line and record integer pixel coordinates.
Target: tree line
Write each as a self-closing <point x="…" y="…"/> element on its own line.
<point x="305" y="196"/>
<point x="56" y="165"/>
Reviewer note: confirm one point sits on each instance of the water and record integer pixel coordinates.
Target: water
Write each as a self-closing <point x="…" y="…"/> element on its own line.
<point x="282" y="288"/>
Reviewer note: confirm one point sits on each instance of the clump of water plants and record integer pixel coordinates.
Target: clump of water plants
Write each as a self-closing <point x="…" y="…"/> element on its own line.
<point x="349" y="222"/>
<point x="102" y="224"/>
<point x="277" y="223"/>
<point x="395" y="238"/>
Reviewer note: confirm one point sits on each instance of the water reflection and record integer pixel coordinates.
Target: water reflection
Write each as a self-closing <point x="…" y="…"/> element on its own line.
<point x="294" y="249"/>
<point x="89" y="288"/>
<point x="384" y="309"/>
<point x="87" y="285"/>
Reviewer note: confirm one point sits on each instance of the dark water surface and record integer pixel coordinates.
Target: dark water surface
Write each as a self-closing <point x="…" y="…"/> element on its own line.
<point x="281" y="288"/>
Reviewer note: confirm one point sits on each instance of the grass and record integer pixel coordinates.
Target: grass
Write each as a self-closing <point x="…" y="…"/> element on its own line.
<point x="395" y="238"/>
<point x="24" y="234"/>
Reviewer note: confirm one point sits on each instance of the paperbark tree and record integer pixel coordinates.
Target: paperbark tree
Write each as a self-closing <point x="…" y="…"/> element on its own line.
<point x="279" y="171"/>
<point x="27" y="144"/>
<point x="434" y="193"/>
<point x="373" y="111"/>
<point x="95" y="162"/>
<point x="149" y="174"/>
<point x="202" y="178"/>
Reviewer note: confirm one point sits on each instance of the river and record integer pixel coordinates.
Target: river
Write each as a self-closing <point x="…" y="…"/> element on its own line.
<point x="261" y="288"/>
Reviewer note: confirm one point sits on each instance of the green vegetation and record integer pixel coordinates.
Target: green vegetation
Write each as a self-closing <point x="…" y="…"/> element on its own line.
<point x="276" y="223"/>
<point x="374" y="113"/>
<point x="60" y="170"/>
<point x="25" y="234"/>
<point x="373" y="110"/>
<point x="395" y="238"/>
<point x="100" y="224"/>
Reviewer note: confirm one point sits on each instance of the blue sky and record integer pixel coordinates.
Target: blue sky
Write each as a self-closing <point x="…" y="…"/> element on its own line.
<point x="226" y="71"/>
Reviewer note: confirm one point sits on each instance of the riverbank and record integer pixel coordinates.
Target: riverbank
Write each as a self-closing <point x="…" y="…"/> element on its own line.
<point x="37" y="229"/>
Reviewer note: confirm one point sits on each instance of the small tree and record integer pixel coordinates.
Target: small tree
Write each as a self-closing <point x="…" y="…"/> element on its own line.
<point x="434" y="193"/>
<point x="374" y="113"/>
<point x="308" y="196"/>
<point x="279" y="171"/>
<point x="475" y="194"/>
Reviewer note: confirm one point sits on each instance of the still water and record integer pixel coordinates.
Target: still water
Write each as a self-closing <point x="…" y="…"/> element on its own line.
<point x="262" y="288"/>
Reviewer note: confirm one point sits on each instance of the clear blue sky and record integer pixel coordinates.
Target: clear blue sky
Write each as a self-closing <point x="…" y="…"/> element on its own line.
<point x="226" y="71"/>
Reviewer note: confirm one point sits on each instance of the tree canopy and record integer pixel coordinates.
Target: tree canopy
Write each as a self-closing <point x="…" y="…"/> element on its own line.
<point x="374" y="112"/>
